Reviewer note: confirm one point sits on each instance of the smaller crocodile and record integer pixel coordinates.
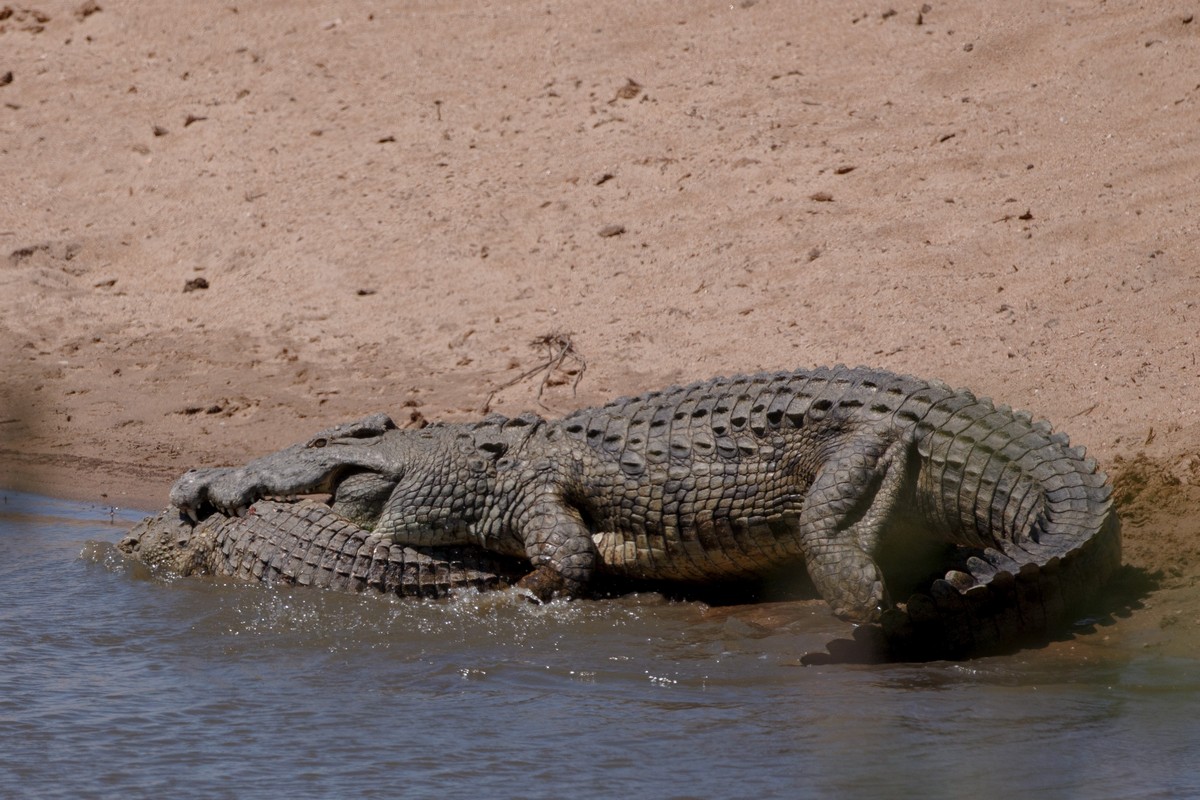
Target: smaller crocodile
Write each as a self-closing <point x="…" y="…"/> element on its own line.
<point x="306" y="544"/>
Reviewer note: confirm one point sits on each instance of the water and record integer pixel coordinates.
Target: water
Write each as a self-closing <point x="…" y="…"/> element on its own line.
<point x="114" y="683"/>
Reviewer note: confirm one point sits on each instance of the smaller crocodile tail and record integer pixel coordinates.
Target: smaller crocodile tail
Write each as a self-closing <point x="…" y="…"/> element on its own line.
<point x="1033" y="519"/>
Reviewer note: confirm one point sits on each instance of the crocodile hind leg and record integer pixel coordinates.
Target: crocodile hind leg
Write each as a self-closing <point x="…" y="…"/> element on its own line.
<point x="848" y="506"/>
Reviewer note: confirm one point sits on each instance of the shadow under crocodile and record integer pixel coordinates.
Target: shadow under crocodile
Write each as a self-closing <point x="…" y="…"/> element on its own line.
<point x="305" y="544"/>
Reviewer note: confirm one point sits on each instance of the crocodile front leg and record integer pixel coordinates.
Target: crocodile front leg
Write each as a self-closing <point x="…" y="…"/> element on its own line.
<point x="559" y="546"/>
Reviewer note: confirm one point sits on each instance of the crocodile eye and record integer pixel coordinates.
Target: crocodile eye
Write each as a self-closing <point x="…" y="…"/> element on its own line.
<point x="318" y="442"/>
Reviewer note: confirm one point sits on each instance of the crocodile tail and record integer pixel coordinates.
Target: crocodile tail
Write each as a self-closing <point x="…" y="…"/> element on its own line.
<point x="1033" y="520"/>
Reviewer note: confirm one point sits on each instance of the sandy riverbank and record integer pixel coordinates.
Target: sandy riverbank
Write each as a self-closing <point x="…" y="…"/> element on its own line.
<point x="224" y="227"/>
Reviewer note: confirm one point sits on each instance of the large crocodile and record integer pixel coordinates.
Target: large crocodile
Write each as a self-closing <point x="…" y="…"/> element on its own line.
<point x="871" y="479"/>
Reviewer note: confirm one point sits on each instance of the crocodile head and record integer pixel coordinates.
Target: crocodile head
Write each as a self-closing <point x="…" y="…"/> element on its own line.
<point x="356" y="464"/>
<point x="371" y="472"/>
<point x="168" y="541"/>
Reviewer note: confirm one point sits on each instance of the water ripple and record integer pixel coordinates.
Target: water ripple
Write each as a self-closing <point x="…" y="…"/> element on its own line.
<point x="114" y="682"/>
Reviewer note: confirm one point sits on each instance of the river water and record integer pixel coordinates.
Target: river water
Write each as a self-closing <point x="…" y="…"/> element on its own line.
<point x="115" y="683"/>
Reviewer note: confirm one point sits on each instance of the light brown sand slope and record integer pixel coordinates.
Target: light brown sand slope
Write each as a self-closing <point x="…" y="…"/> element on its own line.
<point x="389" y="201"/>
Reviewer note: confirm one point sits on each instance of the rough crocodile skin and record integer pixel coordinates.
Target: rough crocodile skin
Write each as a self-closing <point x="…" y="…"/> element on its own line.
<point x="306" y="544"/>
<point x="734" y="477"/>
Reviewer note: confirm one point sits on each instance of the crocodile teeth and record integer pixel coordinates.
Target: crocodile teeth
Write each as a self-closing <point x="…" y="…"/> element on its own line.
<point x="192" y="515"/>
<point x="240" y="511"/>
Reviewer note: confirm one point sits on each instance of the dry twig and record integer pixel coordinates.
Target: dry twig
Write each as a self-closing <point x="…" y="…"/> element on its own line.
<point x="558" y="349"/>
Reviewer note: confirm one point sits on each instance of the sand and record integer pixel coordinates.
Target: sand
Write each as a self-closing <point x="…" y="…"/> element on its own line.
<point x="224" y="226"/>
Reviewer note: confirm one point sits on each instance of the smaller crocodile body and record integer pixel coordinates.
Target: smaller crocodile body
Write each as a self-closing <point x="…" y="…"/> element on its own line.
<point x="951" y="524"/>
<point x="306" y="544"/>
